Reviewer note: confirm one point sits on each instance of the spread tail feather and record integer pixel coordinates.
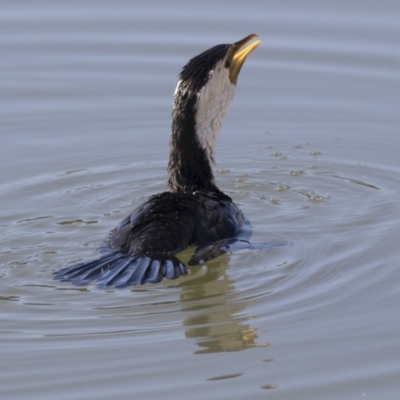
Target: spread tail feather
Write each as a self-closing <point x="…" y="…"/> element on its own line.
<point x="121" y="270"/>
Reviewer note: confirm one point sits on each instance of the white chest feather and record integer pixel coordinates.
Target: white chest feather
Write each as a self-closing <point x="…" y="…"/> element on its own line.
<point x="212" y="105"/>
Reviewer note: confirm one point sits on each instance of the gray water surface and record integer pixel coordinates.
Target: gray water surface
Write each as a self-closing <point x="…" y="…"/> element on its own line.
<point x="309" y="150"/>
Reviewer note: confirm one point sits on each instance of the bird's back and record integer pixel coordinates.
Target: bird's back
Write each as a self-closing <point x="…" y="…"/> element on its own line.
<point x="164" y="224"/>
<point x="142" y="247"/>
<point x="169" y="222"/>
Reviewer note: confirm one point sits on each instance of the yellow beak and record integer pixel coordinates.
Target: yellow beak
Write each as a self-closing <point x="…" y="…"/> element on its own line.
<point x="241" y="50"/>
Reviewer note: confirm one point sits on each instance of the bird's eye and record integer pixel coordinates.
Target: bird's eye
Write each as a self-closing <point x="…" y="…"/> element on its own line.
<point x="228" y="63"/>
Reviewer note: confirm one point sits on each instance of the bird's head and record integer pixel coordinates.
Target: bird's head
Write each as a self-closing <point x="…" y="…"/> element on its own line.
<point x="219" y="65"/>
<point x="208" y="83"/>
<point x="204" y="91"/>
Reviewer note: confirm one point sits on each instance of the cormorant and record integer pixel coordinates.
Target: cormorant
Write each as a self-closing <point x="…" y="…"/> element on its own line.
<point x="143" y="247"/>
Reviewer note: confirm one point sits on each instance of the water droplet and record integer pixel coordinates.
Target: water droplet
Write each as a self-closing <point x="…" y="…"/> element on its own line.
<point x="281" y="188"/>
<point x="269" y="386"/>
<point x="316" y="198"/>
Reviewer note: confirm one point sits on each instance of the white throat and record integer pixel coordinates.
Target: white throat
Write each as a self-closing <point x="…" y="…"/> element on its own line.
<point x="211" y="107"/>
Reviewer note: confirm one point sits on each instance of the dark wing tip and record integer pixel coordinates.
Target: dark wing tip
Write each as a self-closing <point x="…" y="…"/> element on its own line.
<point x="122" y="271"/>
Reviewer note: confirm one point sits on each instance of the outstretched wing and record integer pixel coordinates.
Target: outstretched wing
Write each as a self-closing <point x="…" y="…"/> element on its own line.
<point x="122" y="270"/>
<point x="142" y="248"/>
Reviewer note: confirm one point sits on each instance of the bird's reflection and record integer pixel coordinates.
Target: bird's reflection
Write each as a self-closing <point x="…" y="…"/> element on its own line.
<point x="215" y="314"/>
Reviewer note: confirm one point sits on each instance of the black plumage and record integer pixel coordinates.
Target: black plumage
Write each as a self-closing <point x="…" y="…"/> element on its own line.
<point x="143" y="247"/>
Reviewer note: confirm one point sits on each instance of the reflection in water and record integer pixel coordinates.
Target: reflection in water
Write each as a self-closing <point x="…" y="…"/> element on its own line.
<point x="215" y="311"/>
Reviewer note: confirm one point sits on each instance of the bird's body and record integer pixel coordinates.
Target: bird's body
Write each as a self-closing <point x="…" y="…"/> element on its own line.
<point x="143" y="247"/>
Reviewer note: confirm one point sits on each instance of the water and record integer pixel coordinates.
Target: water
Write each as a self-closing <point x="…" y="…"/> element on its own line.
<point x="309" y="150"/>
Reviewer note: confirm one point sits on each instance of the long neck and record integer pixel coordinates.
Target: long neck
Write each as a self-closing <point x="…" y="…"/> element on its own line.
<point x="190" y="162"/>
